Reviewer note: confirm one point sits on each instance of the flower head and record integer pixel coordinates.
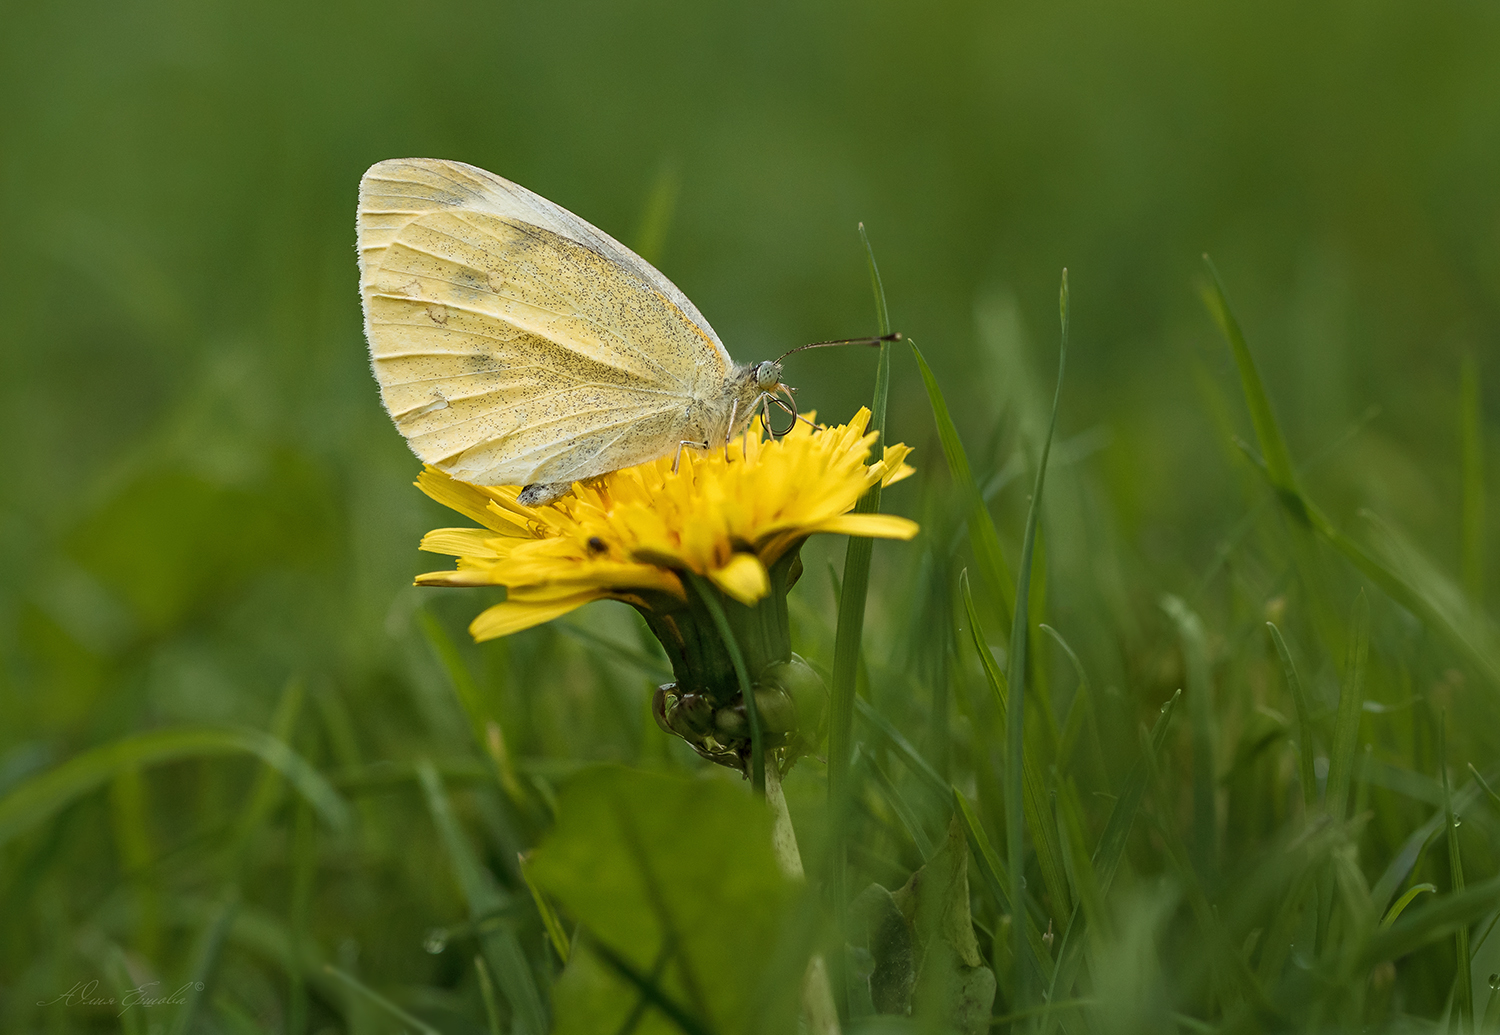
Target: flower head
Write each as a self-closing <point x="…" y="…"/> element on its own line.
<point x="727" y="515"/>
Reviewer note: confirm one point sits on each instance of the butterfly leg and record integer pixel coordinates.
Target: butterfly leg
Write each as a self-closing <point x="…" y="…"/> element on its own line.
<point x="734" y="408"/>
<point x="686" y="442"/>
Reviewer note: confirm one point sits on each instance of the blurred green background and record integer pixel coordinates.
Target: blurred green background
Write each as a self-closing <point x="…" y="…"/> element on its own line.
<point x="203" y="498"/>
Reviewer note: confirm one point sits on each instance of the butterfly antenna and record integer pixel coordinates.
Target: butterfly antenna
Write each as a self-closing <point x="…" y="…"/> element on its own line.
<point x="893" y="336"/>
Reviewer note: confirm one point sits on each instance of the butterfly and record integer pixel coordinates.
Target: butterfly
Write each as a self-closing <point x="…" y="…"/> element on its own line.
<point x="515" y="344"/>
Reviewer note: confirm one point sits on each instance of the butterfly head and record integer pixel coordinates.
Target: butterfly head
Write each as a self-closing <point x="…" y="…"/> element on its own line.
<point x="767" y="375"/>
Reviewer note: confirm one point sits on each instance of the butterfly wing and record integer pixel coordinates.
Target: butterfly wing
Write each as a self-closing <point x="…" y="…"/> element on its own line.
<point x="512" y="341"/>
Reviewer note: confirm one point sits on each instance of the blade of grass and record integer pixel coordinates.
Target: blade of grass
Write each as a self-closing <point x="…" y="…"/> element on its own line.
<point x="847" y="641"/>
<point x="1080" y="709"/>
<point x="1278" y="459"/>
<point x="655" y="669"/>
<point x="206" y="962"/>
<point x="268" y="781"/>
<point x="1351" y="706"/>
<point x="1231" y="973"/>
<point x="1071" y="826"/>
<point x="1278" y="469"/>
<point x="367" y="993"/>
<point x="1016" y="677"/>
<point x="550" y="920"/>
<point x="132" y="830"/>
<point x="1489" y="792"/>
<point x="500" y="945"/>
<point x="1405" y="860"/>
<point x="464" y="688"/>
<point x="903" y="810"/>
<point x="1201" y="715"/>
<point x="43" y="795"/>
<point x="1405" y="900"/>
<point x="131" y="1021"/>
<point x="1107" y="855"/>
<point x="1442" y="916"/>
<point x="1035" y="802"/>
<point x="1463" y="987"/>
<point x="656" y="216"/>
<point x="487" y="993"/>
<point x="304" y="860"/>
<point x="992" y="872"/>
<point x="1305" y="749"/>
<point x="1471" y="424"/>
<point x="903" y="747"/>
<point x="982" y="535"/>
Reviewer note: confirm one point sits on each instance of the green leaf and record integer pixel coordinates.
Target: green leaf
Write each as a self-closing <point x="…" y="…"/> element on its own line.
<point x="992" y="871"/>
<point x="673" y="877"/>
<point x="950" y="984"/>
<point x="43" y="795"/>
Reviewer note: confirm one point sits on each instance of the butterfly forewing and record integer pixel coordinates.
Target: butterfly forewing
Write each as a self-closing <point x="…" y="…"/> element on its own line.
<point x="513" y="342"/>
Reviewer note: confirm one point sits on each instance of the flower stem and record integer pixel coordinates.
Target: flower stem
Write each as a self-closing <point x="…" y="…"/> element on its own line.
<point x="818" y="1008"/>
<point x="710" y="599"/>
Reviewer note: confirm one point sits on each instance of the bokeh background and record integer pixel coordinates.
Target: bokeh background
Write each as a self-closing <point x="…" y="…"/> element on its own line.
<point x="202" y="497"/>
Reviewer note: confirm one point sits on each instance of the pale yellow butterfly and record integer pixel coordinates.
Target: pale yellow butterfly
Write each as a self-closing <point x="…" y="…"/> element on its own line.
<point x="515" y="344"/>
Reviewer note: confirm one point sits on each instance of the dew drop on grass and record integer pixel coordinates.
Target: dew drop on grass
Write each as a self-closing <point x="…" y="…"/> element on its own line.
<point x="1495" y="982"/>
<point x="436" y="940"/>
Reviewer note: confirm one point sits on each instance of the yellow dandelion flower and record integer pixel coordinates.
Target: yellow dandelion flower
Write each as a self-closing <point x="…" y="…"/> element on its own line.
<point x="632" y="534"/>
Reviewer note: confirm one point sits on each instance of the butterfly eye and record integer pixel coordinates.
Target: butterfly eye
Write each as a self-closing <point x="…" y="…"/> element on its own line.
<point x="767" y="375"/>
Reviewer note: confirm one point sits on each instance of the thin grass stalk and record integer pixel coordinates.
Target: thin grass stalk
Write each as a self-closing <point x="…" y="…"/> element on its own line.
<point x="1305" y="771"/>
<point x="1351" y="706"/>
<point x="368" y="994"/>
<point x="1015" y="726"/>
<point x="846" y="647"/>
<point x="1276" y="465"/>
<point x="1471" y="421"/>
<point x="1463" y="986"/>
